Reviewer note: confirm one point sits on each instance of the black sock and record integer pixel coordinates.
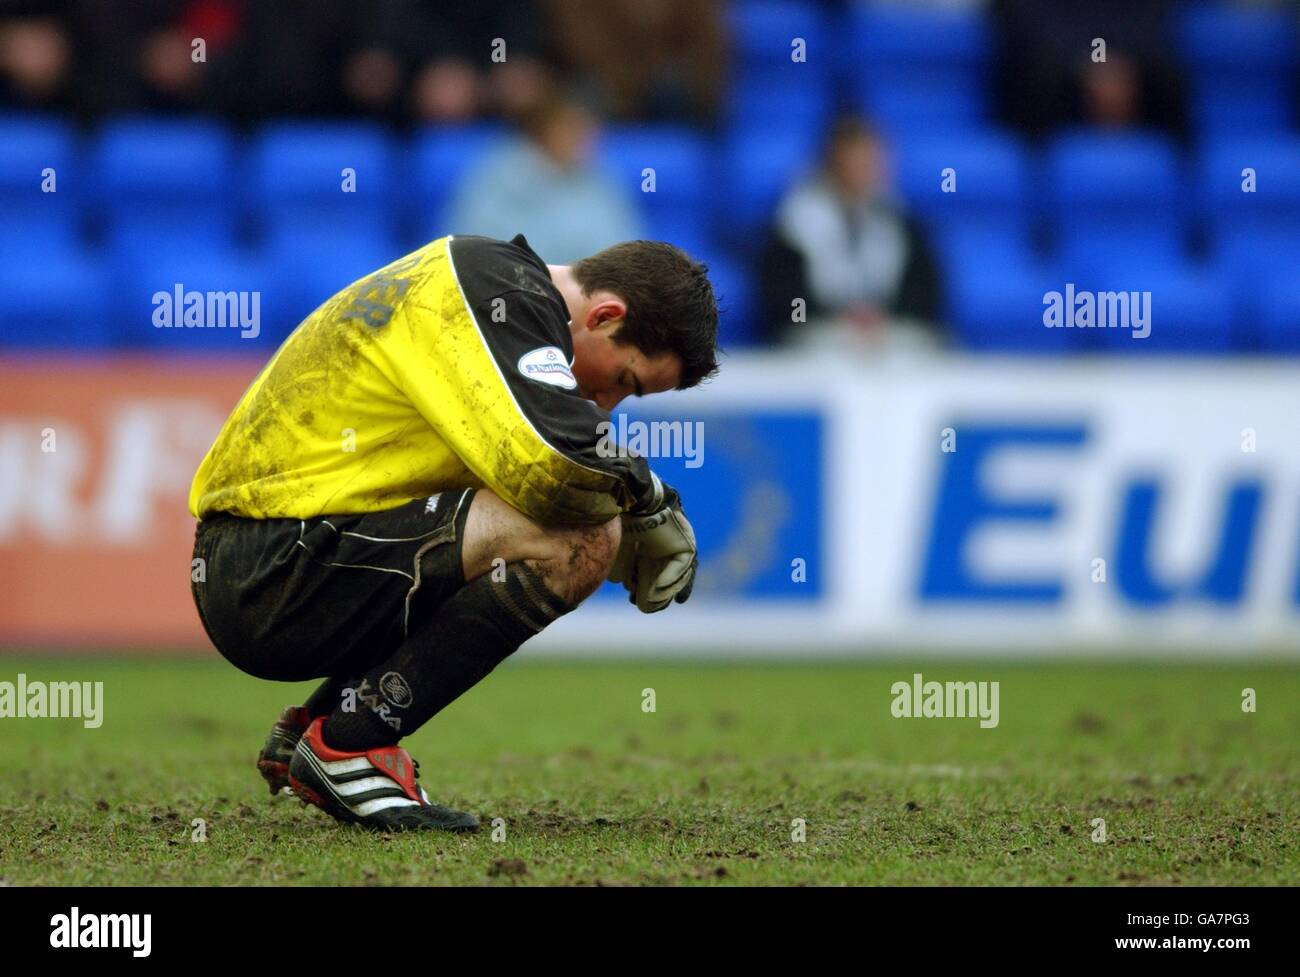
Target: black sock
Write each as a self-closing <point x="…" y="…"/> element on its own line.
<point x="472" y="633"/>
<point x="327" y="696"/>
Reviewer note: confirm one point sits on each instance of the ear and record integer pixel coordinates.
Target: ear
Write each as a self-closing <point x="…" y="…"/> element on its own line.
<point x="608" y="312"/>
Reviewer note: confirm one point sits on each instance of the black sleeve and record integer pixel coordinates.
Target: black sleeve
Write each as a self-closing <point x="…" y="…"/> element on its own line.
<point x="525" y="324"/>
<point x="920" y="296"/>
<point x="783" y="278"/>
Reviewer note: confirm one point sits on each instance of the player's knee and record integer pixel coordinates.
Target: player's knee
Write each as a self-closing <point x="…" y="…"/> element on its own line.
<point x="582" y="558"/>
<point x="608" y="536"/>
<point x="573" y="560"/>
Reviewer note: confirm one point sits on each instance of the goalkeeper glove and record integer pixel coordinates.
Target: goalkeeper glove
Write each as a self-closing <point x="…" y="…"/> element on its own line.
<point x="656" y="560"/>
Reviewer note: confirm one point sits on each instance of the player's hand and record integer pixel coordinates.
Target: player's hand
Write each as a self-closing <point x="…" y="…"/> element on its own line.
<point x="656" y="560"/>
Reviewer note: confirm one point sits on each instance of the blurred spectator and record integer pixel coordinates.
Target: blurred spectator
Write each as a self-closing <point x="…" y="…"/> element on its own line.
<point x="1112" y="93"/>
<point x="35" y="54"/>
<point x="1049" y="77"/>
<point x="401" y="60"/>
<point x="480" y="58"/>
<point x="861" y="266"/>
<point x="142" y="56"/>
<point x="320" y="57"/>
<point x="644" y="59"/>
<point x="543" y="185"/>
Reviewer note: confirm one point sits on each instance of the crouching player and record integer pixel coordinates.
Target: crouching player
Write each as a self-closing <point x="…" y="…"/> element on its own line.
<point x="415" y="485"/>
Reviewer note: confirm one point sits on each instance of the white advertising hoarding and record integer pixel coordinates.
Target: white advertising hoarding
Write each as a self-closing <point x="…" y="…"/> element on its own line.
<point x="1143" y="506"/>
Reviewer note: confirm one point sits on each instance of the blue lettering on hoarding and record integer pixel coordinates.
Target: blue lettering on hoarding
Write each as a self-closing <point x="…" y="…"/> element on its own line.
<point x="1224" y="579"/>
<point x="963" y="505"/>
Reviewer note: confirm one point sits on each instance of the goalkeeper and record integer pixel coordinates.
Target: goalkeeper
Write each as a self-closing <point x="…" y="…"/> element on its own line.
<point x="416" y="484"/>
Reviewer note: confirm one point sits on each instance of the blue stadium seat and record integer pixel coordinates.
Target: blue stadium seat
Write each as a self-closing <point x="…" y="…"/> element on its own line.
<point x="768" y="87"/>
<point x="734" y="288"/>
<point x="213" y="270"/>
<point x="762" y="99"/>
<point x="995" y="302"/>
<point x="310" y="266"/>
<point x="1080" y="249"/>
<point x="918" y="70"/>
<point x="1277" y="314"/>
<point x="161" y="180"/>
<point x="958" y="244"/>
<point x="758" y="167"/>
<point x="1251" y="252"/>
<point x="763" y="31"/>
<point x="777" y="107"/>
<point x="679" y="158"/>
<point x="35" y="220"/>
<point x="910" y="110"/>
<point x="1240" y="63"/>
<point x="688" y="232"/>
<point x="55" y="299"/>
<point x="298" y="175"/>
<point x="1230" y="106"/>
<point x="769" y="91"/>
<point x="1191" y="307"/>
<point x="1262" y="267"/>
<point x="992" y="175"/>
<point x="1237" y="38"/>
<point x="1115" y="193"/>
<point x="931" y="47"/>
<point x="1274" y="204"/>
<point x="1254" y="236"/>
<point x="440" y="159"/>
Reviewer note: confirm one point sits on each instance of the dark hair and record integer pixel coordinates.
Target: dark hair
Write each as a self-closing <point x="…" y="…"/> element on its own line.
<point x="670" y="303"/>
<point x="547" y="110"/>
<point x="850" y="128"/>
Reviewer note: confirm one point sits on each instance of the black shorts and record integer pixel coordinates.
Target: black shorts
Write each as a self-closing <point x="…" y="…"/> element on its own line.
<point x="291" y="599"/>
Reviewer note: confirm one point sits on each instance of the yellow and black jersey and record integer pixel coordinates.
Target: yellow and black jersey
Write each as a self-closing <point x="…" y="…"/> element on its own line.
<point x="448" y="368"/>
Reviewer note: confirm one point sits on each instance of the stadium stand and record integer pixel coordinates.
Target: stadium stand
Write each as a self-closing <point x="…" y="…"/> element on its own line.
<point x="145" y="200"/>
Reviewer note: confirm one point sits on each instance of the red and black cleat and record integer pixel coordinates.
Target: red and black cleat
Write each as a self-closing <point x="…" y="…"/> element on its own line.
<point x="273" y="761"/>
<point x="375" y="788"/>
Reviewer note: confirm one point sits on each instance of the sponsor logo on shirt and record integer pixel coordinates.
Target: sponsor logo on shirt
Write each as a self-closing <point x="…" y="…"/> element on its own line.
<point x="548" y="365"/>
